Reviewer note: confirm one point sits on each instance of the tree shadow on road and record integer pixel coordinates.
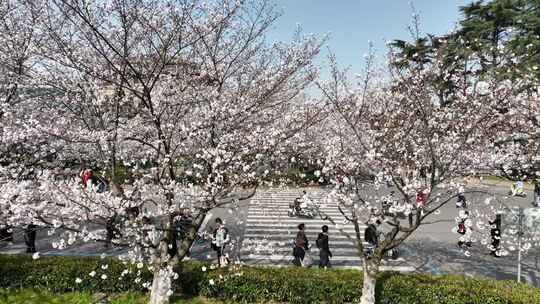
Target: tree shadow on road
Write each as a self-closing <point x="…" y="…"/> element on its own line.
<point x="434" y="257"/>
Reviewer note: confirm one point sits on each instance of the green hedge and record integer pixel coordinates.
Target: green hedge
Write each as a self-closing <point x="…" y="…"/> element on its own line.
<point x="262" y="285"/>
<point x="452" y="289"/>
<point x="58" y="274"/>
<point x="294" y="285"/>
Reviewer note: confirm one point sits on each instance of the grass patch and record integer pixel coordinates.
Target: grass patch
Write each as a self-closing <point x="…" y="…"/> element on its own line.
<point x="495" y="178"/>
<point x="37" y="296"/>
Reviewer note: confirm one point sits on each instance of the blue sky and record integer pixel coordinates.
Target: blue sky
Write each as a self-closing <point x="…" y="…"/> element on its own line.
<point x="352" y="23"/>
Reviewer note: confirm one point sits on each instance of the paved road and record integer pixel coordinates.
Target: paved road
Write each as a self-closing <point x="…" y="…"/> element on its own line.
<point x="262" y="233"/>
<point x="270" y="232"/>
<point x="433" y="248"/>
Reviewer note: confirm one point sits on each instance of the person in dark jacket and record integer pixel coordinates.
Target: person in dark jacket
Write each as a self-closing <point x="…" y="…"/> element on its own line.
<point x="371" y="234"/>
<point x="324" y="249"/>
<point x="495" y="235"/>
<point x="536" y="194"/>
<point x="301" y="245"/>
<point x="30" y="238"/>
<point x="5" y="234"/>
<point x="183" y="224"/>
<point x="109" y="227"/>
<point x="461" y="200"/>
<point x="99" y="183"/>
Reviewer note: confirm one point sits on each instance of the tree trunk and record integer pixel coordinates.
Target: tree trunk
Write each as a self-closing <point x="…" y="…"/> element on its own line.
<point x="190" y="237"/>
<point x="162" y="284"/>
<point x="160" y="287"/>
<point x="370" y="279"/>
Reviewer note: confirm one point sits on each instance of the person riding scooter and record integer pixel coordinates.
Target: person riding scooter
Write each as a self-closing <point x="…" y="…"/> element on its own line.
<point x="516" y="189"/>
<point x="302" y="207"/>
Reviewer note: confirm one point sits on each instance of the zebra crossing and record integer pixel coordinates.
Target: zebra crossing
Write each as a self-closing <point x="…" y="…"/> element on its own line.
<point x="270" y="232"/>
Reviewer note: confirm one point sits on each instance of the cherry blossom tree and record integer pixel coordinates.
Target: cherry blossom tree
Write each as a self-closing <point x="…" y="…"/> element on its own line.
<point x="188" y="93"/>
<point x="392" y="129"/>
<point x="19" y="37"/>
<point x="516" y="142"/>
<point x="22" y="150"/>
<point x="493" y="42"/>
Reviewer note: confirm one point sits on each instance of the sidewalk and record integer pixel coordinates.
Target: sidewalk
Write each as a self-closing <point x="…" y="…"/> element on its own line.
<point x="499" y="183"/>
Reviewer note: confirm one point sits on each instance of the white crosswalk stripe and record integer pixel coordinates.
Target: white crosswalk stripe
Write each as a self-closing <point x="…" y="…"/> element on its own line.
<point x="270" y="232"/>
<point x="256" y="229"/>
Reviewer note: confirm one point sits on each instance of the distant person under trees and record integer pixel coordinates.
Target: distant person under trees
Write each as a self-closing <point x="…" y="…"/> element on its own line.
<point x="371" y="235"/>
<point x="461" y="200"/>
<point x="30" y="233"/>
<point x="495" y="233"/>
<point x="536" y="191"/>
<point x="90" y="180"/>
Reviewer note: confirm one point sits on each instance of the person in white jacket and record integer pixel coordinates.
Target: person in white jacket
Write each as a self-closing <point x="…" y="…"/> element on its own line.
<point x="465" y="228"/>
<point x="220" y="239"/>
<point x="305" y="201"/>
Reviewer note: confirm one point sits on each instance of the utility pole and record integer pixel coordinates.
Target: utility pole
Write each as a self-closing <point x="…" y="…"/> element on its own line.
<point x="520" y="235"/>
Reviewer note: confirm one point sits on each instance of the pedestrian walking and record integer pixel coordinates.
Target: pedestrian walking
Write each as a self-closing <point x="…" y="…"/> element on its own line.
<point x="182" y="227"/>
<point x="536" y="193"/>
<point x="465" y="229"/>
<point x="30" y="238"/>
<point x="99" y="184"/>
<point x="495" y="233"/>
<point x="109" y="228"/>
<point x="86" y="176"/>
<point x="301" y="245"/>
<point x="6" y="231"/>
<point x="421" y="198"/>
<point x="6" y="235"/>
<point x="324" y="248"/>
<point x="112" y="229"/>
<point x="389" y="182"/>
<point x="388" y="203"/>
<point x="183" y="224"/>
<point x="220" y="239"/>
<point x="339" y="183"/>
<point x="461" y="201"/>
<point x="371" y="236"/>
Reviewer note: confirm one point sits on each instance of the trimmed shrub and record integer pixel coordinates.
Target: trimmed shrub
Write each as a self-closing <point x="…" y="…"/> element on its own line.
<point x="59" y="274"/>
<point x="293" y="285"/>
<point x="261" y="285"/>
<point x="395" y="288"/>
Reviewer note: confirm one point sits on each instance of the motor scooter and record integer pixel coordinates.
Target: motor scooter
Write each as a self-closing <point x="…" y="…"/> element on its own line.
<point x="516" y="189"/>
<point x="311" y="211"/>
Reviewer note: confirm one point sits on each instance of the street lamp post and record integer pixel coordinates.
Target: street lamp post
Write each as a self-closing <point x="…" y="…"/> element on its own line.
<point x="520" y="234"/>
